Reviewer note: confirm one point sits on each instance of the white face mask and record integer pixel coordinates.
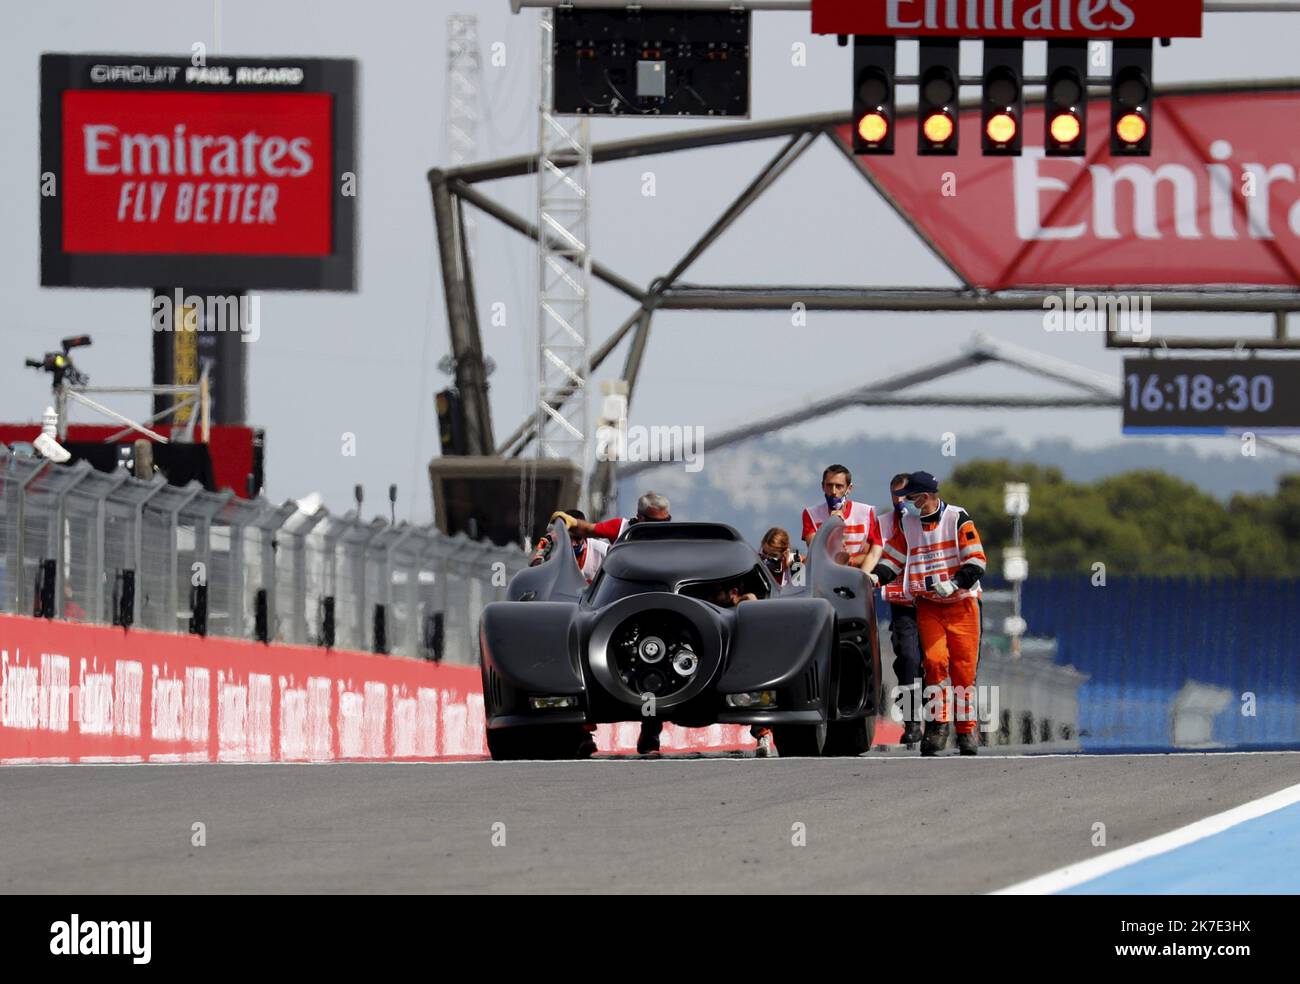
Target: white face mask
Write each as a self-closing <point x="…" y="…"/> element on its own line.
<point x="910" y="508"/>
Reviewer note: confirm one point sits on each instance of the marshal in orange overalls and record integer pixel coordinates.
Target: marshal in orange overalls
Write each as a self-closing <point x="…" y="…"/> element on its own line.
<point x="925" y="550"/>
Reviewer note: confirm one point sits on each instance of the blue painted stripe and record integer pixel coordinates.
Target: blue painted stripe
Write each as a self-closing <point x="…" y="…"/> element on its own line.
<point x="1254" y="857"/>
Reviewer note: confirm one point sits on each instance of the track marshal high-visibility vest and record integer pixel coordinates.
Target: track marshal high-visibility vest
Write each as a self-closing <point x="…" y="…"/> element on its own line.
<point x="895" y="592"/>
<point x="859" y="523"/>
<point x="592" y="556"/>
<point x="936" y="549"/>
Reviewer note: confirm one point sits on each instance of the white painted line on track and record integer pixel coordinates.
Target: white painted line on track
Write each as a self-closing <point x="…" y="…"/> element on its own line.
<point x="1082" y="871"/>
<point x="631" y="759"/>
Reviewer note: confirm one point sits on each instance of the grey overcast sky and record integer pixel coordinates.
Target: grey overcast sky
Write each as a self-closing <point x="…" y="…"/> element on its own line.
<point x="366" y="363"/>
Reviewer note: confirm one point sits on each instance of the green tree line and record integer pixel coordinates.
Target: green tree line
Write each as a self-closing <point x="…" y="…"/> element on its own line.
<point x="1136" y="522"/>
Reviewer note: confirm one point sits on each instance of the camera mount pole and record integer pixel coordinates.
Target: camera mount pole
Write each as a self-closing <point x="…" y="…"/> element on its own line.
<point x="61" y="407"/>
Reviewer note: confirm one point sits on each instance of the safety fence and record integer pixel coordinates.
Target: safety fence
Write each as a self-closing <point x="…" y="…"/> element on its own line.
<point x="1134" y="663"/>
<point x="1176" y="662"/>
<point x="102" y="547"/>
<point x="93" y="694"/>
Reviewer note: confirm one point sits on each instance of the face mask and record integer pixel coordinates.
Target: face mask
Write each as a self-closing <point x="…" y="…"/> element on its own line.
<point x="577" y="548"/>
<point x="834" y="502"/>
<point x="910" y="508"/>
<point x="774" y="565"/>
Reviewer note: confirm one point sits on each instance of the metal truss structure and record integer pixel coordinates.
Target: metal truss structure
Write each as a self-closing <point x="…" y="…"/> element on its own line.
<point x="464" y="81"/>
<point x="563" y="275"/>
<point x="451" y="188"/>
<point x="1092" y="390"/>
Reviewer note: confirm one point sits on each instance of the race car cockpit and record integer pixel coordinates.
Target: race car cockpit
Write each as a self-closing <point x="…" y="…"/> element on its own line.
<point x="705" y="561"/>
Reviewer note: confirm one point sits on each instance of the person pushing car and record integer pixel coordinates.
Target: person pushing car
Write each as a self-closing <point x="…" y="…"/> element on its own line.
<point x="940" y="557"/>
<point x="650" y="508"/>
<point x="588" y="552"/>
<point x="902" y="617"/>
<point x="861" y="544"/>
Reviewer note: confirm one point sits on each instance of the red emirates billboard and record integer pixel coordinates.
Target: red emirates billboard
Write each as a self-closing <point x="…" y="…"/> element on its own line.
<point x="1010" y="18"/>
<point x="1217" y="202"/>
<point x="157" y="172"/>
<point x="233" y="174"/>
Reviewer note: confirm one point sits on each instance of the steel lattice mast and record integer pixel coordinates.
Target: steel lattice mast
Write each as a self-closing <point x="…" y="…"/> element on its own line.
<point x="564" y="275"/>
<point x="464" y="77"/>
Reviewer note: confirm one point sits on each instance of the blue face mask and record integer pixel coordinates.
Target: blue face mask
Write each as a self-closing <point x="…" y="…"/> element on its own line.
<point x="910" y="508"/>
<point x="577" y="548"/>
<point x="834" y="502"/>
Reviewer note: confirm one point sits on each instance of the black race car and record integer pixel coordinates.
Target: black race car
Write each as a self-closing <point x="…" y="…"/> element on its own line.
<point x="659" y="631"/>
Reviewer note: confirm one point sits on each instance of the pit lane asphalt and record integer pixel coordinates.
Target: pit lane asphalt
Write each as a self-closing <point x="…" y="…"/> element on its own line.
<point x="884" y="824"/>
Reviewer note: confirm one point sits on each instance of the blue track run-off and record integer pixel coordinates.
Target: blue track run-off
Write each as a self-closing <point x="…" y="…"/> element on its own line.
<point x="1253" y="857"/>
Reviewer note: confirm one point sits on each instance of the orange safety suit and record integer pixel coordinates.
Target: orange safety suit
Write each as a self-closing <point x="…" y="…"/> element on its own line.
<point x="943" y="546"/>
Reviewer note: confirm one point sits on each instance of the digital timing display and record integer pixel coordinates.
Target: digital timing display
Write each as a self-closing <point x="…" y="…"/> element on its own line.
<point x="1211" y="396"/>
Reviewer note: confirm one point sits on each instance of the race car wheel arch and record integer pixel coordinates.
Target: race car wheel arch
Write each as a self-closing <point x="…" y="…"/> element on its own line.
<point x="857" y="674"/>
<point x="774" y="643"/>
<point x="512" y="637"/>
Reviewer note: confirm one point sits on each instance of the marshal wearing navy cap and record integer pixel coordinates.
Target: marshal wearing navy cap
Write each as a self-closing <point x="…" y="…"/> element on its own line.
<point x="920" y="481"/>
<point x="939" y="555"/>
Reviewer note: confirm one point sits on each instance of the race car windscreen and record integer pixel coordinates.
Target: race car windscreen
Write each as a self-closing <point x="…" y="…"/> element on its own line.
<point x="716" y="591"/>
<point x="608" y="589"/>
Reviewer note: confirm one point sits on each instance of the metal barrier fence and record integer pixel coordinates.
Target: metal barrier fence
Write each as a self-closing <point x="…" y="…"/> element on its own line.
<point x="1176" y="661"/>
<point x="1136" y="663"/>
<point x="91" y="546"/>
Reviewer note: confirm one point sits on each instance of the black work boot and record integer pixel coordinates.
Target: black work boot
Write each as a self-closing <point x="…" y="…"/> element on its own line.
<point x="968" y="743"/>
<point x="936" y="737"/>
<point x="911" y="734"/>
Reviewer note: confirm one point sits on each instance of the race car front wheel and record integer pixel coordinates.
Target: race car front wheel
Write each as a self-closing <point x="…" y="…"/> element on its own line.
<point x="850" y="737"/>
<point x="799" y="740"/>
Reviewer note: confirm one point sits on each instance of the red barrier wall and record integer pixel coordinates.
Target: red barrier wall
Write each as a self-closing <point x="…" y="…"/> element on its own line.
<point x="89" y="693"/>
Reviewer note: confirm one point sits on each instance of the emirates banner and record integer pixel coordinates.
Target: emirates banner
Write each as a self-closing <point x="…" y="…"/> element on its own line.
<point x="90" y="693"/>
<point x="1010" y="18"/>
<point x="1216" y="203"/>
<point x="223" y="174"/>
<point x="205" y="173"/>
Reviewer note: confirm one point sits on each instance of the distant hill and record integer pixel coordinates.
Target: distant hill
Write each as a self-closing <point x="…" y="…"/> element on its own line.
<point x="768" y="481"/>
